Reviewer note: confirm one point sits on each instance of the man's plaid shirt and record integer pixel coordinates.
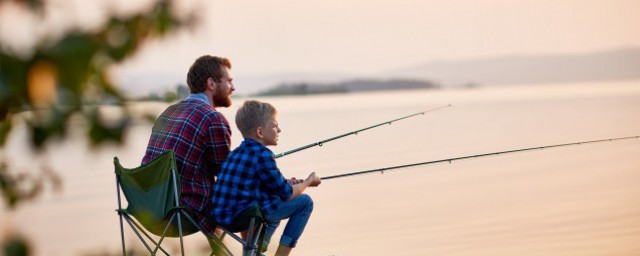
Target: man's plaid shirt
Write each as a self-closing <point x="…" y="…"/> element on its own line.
<point x="201" y="139"/>
<point x="248" y="176"/>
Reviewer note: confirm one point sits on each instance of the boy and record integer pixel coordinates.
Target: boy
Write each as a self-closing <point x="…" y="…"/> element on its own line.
<point x="250" y="176"/>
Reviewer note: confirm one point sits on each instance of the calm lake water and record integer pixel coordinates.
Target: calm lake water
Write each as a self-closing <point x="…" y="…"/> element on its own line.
<point x="578" y="200"/>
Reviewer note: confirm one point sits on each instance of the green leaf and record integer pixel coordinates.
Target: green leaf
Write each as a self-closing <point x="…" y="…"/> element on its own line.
<point x="5" y="128"/>
<point x="39" y="134"/>
<point x="16" y="246"/>
<point x="101" y="131"/>
<point x="8" y="186"/>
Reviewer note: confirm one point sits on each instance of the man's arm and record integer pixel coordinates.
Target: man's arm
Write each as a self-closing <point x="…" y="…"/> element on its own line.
<point x="218" y="143"/>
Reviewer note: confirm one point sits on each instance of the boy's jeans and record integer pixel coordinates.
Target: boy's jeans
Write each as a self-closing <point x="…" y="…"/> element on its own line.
<point x="297" y="210"/>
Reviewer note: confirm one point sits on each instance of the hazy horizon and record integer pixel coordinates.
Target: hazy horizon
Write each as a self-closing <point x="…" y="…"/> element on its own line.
<point x="611" y="65"/>
<point x="355" y="38"/>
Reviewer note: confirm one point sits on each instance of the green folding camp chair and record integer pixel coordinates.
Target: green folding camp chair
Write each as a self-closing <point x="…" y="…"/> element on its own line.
<point x="152" y="192"/>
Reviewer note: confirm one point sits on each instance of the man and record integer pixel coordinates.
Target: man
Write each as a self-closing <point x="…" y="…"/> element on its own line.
<point x="198" y="134"/>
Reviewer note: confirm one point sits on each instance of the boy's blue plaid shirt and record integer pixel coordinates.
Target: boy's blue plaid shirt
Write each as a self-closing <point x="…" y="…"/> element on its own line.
<point x="248" y="176"/>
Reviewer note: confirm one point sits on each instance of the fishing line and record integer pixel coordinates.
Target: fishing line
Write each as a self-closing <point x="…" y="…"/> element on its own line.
<point x="320" y="143"/>
<point x="449" y="160"/>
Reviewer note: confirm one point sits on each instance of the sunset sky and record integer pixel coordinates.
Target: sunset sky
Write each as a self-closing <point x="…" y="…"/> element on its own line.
<point x="366" y="37"/>
<point x="369" y="36"/>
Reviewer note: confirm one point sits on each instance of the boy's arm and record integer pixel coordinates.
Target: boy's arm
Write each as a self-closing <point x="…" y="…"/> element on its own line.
<point x="271" y="179"/>
<point x="312" y="181"/>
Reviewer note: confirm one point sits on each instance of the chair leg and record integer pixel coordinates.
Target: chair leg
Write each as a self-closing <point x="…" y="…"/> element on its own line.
<point x="139" y="236"/>
<point x="180" y="233"/>
<point x="177" y="202"/>
<point x="256" y="239"/>
<point x="254" y="236"/>
<point x="263" y="230"/>
<point x="163" y="234"/>
<point x="217" y="247"/>
<point x="249" y="249"/>
<point x="133" y="224"/>
<point x="124" y="251"/>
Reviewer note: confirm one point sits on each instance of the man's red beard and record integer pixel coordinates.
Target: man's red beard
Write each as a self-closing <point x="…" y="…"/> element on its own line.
<point x="222" y="99"/>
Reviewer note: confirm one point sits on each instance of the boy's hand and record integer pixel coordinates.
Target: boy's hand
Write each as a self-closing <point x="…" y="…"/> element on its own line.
<point x="313" y="180"/>
<point x="294" y="181"/>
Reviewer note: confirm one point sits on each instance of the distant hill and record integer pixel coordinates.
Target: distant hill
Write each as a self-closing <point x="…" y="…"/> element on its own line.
<point x="608" y="65"/>
<point x="617" y="64"/>
<point x="344" y="87"/>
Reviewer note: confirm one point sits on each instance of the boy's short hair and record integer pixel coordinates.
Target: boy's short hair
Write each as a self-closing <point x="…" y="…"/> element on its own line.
<point x="253" y="114"/>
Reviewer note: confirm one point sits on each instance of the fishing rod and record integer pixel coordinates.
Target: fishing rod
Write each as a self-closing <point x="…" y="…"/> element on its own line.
<point x="320" y="143"/>
<point x="382" y="170"/>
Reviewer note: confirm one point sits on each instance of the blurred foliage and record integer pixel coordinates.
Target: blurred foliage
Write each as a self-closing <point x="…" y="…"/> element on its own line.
<point x="181" y="92"/>
<point x="16" y="245"/>
<point x="137" y="250"/>
<point x="130" y="251"/>
<point x="62" y="77"/>
<point x="69" y="76"/>
<point x="34" y="5"/>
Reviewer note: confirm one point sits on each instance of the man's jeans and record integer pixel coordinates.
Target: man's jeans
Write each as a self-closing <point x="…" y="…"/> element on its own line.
<point x="297" y="210"/>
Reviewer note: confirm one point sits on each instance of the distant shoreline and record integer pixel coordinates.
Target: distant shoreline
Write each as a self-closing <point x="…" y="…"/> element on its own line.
<point x="346" y="87"/>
